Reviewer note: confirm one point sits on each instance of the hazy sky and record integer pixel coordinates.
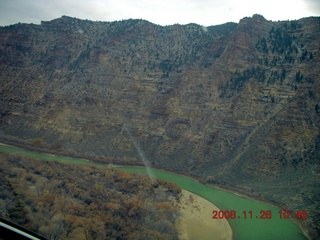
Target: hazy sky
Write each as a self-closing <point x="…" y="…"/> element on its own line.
<point x="163" y="12"/>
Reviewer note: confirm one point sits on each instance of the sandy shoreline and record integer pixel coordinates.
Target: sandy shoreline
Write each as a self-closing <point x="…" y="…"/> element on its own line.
<point x="196" y="220"/>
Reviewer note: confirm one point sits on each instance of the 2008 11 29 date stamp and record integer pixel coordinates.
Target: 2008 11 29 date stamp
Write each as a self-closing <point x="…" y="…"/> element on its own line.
<point x="264" y="214"/>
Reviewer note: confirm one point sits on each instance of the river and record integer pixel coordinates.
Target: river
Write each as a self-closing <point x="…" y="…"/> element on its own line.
<point x="248" y="219"/>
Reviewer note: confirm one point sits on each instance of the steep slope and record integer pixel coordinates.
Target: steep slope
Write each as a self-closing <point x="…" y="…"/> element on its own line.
<point x="234" y="104"/>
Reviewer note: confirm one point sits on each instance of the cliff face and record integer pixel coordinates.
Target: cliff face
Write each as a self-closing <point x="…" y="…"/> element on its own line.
<point x="235" y="103"/>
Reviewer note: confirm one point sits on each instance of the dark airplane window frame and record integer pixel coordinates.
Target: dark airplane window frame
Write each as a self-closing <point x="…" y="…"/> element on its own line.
<point x="9" y="230"/>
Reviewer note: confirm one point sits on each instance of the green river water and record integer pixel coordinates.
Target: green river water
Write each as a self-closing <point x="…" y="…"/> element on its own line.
<point x="247" y="228"/>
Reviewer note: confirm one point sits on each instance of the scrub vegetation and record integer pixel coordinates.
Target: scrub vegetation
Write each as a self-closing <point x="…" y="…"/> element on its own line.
<point x="65" y="201"/>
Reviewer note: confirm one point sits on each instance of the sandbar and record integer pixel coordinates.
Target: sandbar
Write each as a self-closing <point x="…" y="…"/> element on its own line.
<point x="195" y="221"/>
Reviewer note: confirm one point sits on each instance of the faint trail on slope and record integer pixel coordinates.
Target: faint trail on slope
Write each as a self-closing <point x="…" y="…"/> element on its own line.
<point x="252" y="140"/>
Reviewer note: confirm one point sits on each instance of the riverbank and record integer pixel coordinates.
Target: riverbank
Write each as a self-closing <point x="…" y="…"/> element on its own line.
<point x="242" y="229"/>
<point x="196" y="220"/>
